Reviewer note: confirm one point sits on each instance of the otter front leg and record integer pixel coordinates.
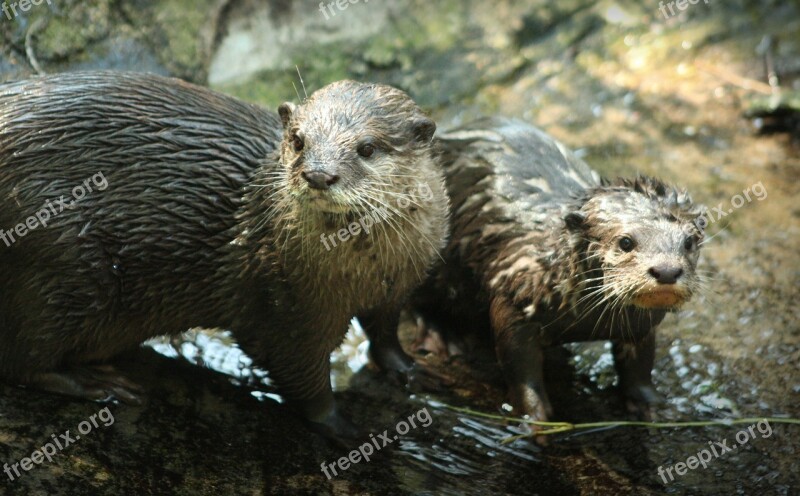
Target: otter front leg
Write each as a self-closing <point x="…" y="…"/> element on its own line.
<point x="522" y="360"/>
<point x="384" y="345"/>
<point x="303" y="379"/>
<point x="519" y="352"/>
<point x="385" y="349"/>
<point x="634" y="364"/>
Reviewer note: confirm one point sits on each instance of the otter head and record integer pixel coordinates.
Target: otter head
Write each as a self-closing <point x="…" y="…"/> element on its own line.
<point x="352" y="146"/>
<point x="642" y="238"/>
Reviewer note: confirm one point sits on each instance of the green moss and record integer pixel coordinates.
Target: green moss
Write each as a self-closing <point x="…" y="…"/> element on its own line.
<point x="268" y="89"/>
<point x="442" y="25"/>
<point x="71" y="32"/>
<point x="387" y="51"/>
<point x="321" y="66"/>
<point x="179" y="32"/>
<point x="434" y="28"/>
<point x="182" y="23"/>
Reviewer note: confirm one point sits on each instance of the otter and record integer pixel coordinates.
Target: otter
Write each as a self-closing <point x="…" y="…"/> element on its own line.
<point x="544" y="252"/>
<point x="211" y="216"/>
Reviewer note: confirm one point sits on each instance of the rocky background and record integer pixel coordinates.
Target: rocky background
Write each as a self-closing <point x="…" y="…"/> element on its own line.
<point x="707" y="98"/>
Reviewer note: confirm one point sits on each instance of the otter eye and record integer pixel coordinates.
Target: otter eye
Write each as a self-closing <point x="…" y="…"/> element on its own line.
<point x="366" y="150"/>
<point x="626" y="244"/>
<point x="297" y="143"/>
<point x="688" y="244"/>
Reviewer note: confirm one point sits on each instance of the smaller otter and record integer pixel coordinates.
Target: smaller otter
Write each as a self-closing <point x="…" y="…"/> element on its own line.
<point x="544" y="253"/>
<point x="207" y="212"/>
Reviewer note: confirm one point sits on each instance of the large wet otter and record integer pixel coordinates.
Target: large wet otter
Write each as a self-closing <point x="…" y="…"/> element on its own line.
<point x="544" y="253"/>
<point x="136" y="205"/>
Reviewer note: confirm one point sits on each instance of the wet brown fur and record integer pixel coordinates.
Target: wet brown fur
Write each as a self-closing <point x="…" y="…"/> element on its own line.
<point x="204" y="223"/>
<point x="535" y="255"/>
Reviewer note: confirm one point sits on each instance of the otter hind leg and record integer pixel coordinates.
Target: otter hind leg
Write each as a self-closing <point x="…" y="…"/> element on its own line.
<point x="386" y="351"/>
<point x="440" y="339"/>
<point x="92" y="382"/>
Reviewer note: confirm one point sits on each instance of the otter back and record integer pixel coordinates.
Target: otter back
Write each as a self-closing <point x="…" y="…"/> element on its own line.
<point x="174" y="157"/>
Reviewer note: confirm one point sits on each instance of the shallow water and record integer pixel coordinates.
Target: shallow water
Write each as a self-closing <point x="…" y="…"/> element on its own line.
<point x="462" y="454"/>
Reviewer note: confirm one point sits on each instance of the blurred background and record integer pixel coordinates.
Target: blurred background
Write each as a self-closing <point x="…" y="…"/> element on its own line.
<point x="705" y="95"/>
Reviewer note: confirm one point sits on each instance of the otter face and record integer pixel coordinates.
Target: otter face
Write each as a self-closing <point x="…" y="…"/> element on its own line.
<point x="352" y="146"/>
<point x="646" y="244"/>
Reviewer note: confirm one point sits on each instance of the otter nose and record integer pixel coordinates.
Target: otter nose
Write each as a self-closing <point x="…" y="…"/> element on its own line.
<point x="319" y="179"/>
<point x="665" y="274"/>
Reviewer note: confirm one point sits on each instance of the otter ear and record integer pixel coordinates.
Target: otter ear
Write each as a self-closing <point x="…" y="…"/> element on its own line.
<point x="423" y="129"/>
<point x="286" y="110"/>
<point x="575" y="221"/>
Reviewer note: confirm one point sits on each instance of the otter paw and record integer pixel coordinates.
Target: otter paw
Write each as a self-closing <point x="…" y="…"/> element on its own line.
<point x="405" y="371"/>
<point x="527" y="402"/>
<point x="531" y="431"/>
<point x="97" y="383"/>
<point x="338" y="429"/>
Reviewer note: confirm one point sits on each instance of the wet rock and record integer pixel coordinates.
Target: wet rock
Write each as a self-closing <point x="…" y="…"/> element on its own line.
<point x="632" y="90"/>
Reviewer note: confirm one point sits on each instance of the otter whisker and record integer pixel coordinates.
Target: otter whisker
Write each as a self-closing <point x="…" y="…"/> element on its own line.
<point x="410" y="224"/>
<point x="606" y="308"/>
<point x="385" y="221"/>
<point x="706" y="240"/>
